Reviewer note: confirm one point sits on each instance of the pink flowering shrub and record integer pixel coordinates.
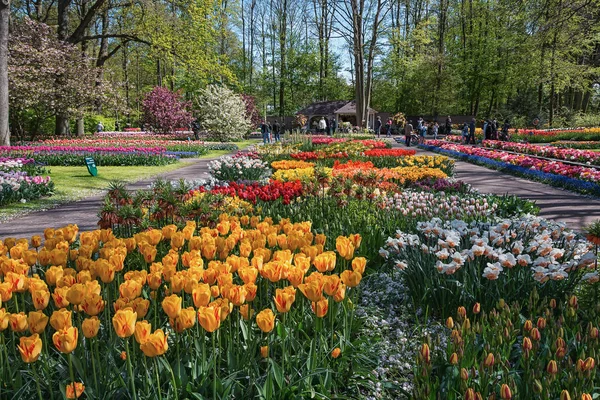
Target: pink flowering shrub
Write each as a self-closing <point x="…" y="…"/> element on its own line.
<point x="166" y="111"/>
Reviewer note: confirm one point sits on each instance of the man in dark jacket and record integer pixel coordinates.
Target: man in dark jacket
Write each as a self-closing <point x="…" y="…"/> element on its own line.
<point x="471" y="138"/>
<point x="377" y="127"/>
<point x="448" y="125"/>
<point x="276" y="130"/>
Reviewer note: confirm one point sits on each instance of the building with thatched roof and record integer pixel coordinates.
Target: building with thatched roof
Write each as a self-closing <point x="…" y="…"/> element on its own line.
<point x="340" y="110"/>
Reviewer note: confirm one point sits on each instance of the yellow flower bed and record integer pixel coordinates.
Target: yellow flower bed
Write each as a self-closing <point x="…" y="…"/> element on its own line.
<point x="426" y="161"/>
<point x="230" y="205"/>
<point x="291" y="164"/>
<point x="412" y="174"/>
<point x="301" y="174"/>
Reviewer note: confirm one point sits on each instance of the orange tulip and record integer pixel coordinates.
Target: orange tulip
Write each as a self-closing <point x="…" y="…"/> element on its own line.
<point x="124" y="322"/>
<point x="246" y="311"/>
<point x="449" y="323"/>
<point x="344" y="247"/>
<point x="37" y="321"/>
<point x="470" y="394"/>
<point x="30" y="348"/>
<point x="552" y="368"/>
<point x="90" y="327"/>
<point x="320" y="307"/>
<point x="359" y="264"/>
<point x="140" y="306"/>
<point x="172" y="306"/>
<point x="564" y="395"/>
<point x="453" y="359"/>
<point x="505" y="392"/>
<point x="489" y="360"/>
<point x="74" y="390"/>
<point x="264" y="351"/>
<point x="476" y="308"/>
<point x="156" y="345"/>
<point x="331" y="284"/>
<point x="266" y="320"/>
<point x="65" y="340"/>
<point x="4" y="319"/>
<point x="284" y="298"/>
<point x="186" y="320"/>
<point x="425" y="353"/>
<point x="142" y="331"/>
<point x="201" y="295"/>
<point x="130" y="289"/>
<point x="325" y="261"/>
<point x="312" y="290"/>
<point x="351" y="278"/>
<point x="335" y="353"/>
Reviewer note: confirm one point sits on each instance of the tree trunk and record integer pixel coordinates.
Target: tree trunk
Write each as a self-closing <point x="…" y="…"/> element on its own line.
<point x="80" y="127"/>
<point x="62" y="119"/>
<point x="4" y="117"/>
<point x="282" y="52"/>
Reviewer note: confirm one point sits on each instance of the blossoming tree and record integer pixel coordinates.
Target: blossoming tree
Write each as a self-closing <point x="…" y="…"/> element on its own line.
<point x="222" y="113"/>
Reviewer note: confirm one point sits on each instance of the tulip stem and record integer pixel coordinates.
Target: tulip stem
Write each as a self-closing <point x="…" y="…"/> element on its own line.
<point x="173" y="383"/>
<point x="72" y="375"/>
<point x="129" y="369"/>
<point x="94" y="364"/>
<point x="157" y="379"/>
<point x="37" y="381"/>
<point x="214" y="367"/>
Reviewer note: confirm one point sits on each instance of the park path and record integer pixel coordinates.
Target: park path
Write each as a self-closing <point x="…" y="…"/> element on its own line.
<point x="574" y="209"/>
<point x="84" y="212"/>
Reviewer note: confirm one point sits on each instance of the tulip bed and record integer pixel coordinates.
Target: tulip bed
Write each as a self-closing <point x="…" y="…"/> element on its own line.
<point x="551" y="135"/>
<point x="573" y="177"/>
<point x="22" y="180"/>
<point x="567" y="154"/>
<point x="251" y="287"/>
<point x="103" y="156"/>
<point x="583" y="145"/>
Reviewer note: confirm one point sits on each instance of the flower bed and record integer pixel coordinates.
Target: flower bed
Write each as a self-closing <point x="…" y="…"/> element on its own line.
<point x="580" y="179"/>
<point x="551" y="135"/>
<point x="21" y="181"/>
<point x="568" y="154"/>
<point x="577" y="144"/>
<point x="239" y="167"/>
<point x="66" y="155"/>
<point x="140" y="314"/>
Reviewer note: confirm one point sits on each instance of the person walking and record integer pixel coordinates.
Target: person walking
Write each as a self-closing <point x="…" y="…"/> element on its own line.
<point x="465" y="133"/>
<point x="505" y="128"/>
<point x="488" y="130"/>
<point x="472" y="131"/>
<point x="485" y="130"/>
<point x="333" y="125"/>
<point x="264" y="129"/>
<point x="378" y="127"/>
<point x="322" y="125"/>
<point x="435" y="129"/>
<point x="448" y="125"/>
<point x="389" y="128"/>
<point x="495" y="129"/>
<point x="408" y="129"/>
<point x="276" y="131"/>
<point x="99" y="127"/>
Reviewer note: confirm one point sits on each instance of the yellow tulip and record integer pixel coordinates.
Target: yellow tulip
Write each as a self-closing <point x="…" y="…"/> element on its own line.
<point x="209" y="318"/>
<point x="351" y="278"/>
<point x="30" y="348"/>
<point x="65" y="340"/>
<point x="124" y="322"/>
<point x="264" y="351"/>
<point x="90" y="327"/>
<point x="40" y="298"/>
<point x="156" y="345"/>
<point x="92" y="304"/>
<point x="61" y="319"/>
<point x="246" y="311"/>
<point x="141" y="307"/>
<point x="130" y="289"/>
<point x="266" y="320"/>
<point x="344" y="247"/>
<point x="172" y="306"/>
<point x="37" y="321"/>
<point x="76" y="294"/>
<point x="142" y="331"/>
<point x="359" y="264"/>
<point x="4" y="319"/>
<point x="325" y="261"/>
<point x="185" y="320"/>
<point x="312" y="290"/>
<point x="18" y="322"/>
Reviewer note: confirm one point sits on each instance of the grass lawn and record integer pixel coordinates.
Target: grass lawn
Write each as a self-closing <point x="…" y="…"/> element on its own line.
<point x="75" y="183"/>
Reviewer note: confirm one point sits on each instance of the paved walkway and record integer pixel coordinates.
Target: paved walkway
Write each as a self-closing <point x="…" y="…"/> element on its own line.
<point x="557" y="204"/>
<point x="84" y="212"/>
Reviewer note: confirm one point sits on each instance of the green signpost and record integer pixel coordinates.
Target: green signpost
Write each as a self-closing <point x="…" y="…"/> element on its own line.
<point x="91" y="166"/>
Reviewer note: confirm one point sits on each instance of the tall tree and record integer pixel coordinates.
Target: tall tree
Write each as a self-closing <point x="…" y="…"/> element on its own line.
<point x="4" y="32"/>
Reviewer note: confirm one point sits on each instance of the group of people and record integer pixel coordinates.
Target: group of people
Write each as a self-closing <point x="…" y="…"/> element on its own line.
<point x="327" y="126"/>
<point x="272" y="133"/>
<point x="379" y="128"/>
<point x="421" y="129"/>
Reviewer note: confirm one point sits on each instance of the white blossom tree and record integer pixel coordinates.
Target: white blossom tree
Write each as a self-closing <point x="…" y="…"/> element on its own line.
<point x="222" y="113"/>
